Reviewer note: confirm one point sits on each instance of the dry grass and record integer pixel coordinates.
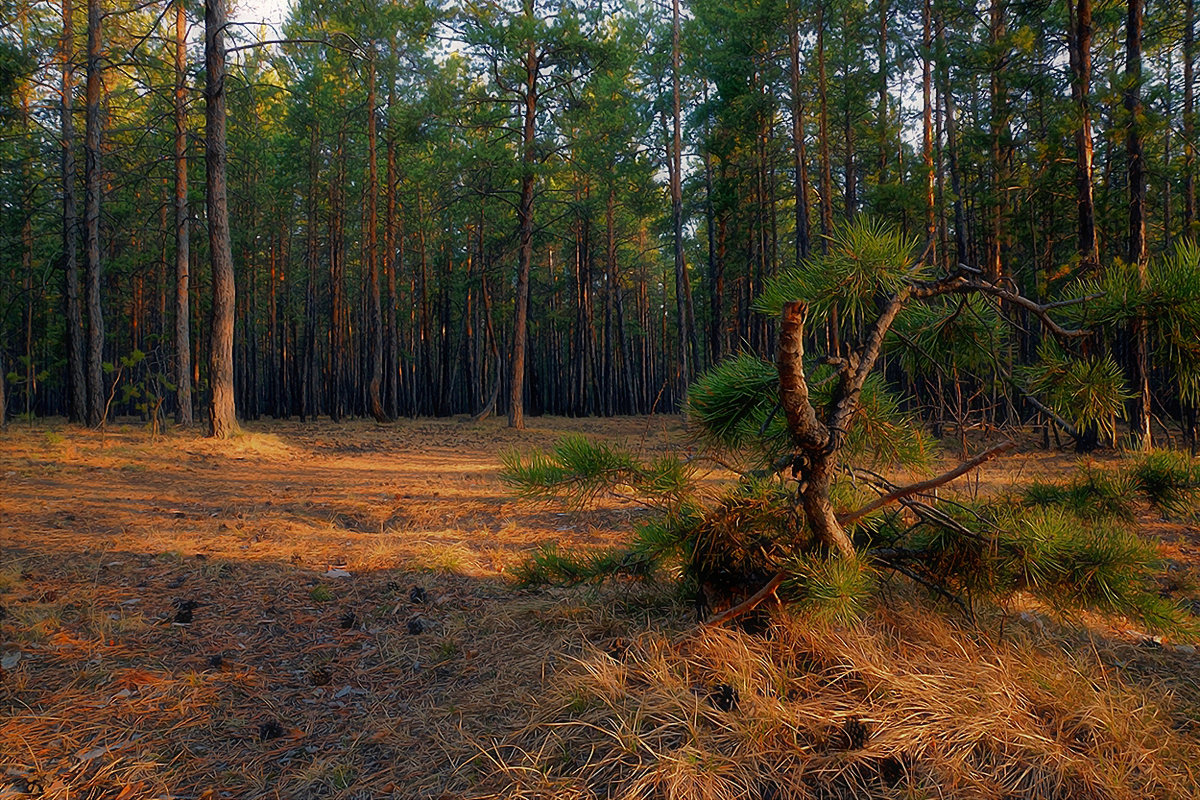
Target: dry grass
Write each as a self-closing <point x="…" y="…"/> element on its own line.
<point x="293" y="681"/>
<point x="905" y="705"/>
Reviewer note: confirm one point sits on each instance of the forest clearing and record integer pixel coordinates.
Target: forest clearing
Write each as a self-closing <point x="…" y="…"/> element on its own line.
<point x="362" y="637"/>
<point x="599" y="399"/>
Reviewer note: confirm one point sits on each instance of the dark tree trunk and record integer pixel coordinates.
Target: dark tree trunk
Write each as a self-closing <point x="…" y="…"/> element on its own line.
<point x="93" y="181"/>
<point x="798" y="154"/>
<point x="686" y="325"/>
<point x="183" y="347"/>
<point x="77" y="408"/>
<point x="375" y="323"/>
<point x="516" y="401"/>
<point x="1079" y="44"/>
<point x="222" y="415"/>
<point x="927" y="128"/>
<point x="1189" y="120"/>
<point x="1137" y="253"/>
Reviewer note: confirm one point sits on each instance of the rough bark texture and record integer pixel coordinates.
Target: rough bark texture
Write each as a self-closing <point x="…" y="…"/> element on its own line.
<point x="815" y="463"/>
<point x="1079" y="45"/>
<point x="183" y="337"/>
<point x="686" y="360"/>
<point x="76" y="333"/>
<point x="516" y="402"/>
<point x="93" y="180"/>
<point x="375" y="386"/>
<point x="222" y="415"/>
<point x="1137" y="254"/>
<point x="798" y="154"/>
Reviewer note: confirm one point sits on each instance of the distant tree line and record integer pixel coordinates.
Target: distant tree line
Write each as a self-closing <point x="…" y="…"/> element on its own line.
<point x="558" y="206"/>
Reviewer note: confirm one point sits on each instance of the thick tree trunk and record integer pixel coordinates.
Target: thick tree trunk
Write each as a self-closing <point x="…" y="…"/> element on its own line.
<point x="222" y="414"/>
<point x="1137" y="253"/>
<point x="77" y="408"/>
<point x="93" y="181"/>
<point x="183" y="346"/>
<point x="815" y="461"/>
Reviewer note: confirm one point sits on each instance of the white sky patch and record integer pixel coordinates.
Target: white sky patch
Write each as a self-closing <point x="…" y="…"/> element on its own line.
<point x="271" y="13"/>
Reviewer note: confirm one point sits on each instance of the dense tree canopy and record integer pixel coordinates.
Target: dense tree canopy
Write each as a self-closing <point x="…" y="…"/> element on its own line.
<point x="440" y="208"/>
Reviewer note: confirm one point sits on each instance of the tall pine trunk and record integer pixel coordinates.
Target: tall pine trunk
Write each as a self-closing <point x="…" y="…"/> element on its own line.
<point x="93" y="181"/>
<point x="516" y="400"/>
<point x="183" y="346"/>
<point x="1137" y="252"/>
<point x="1079" y="44"/>
<point x="77" y="408"/>
<point x="222" y="414"/>
<point x="375" y="387"/>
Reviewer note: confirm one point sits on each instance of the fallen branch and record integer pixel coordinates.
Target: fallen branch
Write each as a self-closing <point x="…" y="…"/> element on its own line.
<point x="750" y="603"/>
<point x="925" y="486"/>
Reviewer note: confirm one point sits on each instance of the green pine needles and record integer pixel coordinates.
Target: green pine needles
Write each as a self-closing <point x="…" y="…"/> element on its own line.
<point x="811" y="517"/>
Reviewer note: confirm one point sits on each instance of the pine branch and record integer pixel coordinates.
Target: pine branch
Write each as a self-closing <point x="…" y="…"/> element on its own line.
<point x="925" y="486"/>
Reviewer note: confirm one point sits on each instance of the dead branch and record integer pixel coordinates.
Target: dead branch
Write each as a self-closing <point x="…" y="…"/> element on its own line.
<point x="750" y="603"/>
<point x="925" y="486"/>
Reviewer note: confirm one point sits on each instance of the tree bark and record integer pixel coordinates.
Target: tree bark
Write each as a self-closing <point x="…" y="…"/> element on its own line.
<point x="927" y="128"/>
<point x="76" y="332"/>
<point x="816" y="461"/>
<point x="1079" y="44"/>
<point x="222" y="414"/>
<point x="516" y="402"/>
<point x="183" y="346"/>
<point x="1189" y="120"/>
<point x="686" y="351"/>
<point x="798" y="154"/>
<point x="1137" y="252"/>
<point x="823" y="133"/>
<point x="375" y="387"/>
<point x="93" y="186"/>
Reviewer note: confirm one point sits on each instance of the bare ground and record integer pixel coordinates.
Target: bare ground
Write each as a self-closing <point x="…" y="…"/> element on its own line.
<point x="308" y="611"/>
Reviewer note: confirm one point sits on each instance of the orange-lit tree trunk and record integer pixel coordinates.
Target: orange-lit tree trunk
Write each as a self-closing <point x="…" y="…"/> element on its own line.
<point x="222" y="414"/>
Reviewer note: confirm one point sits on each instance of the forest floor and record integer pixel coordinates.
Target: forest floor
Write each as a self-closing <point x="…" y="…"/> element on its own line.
<point x="322" y="610"/>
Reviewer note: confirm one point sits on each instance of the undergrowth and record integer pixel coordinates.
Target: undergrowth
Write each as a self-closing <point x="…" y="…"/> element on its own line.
<point x="904" y="704"/>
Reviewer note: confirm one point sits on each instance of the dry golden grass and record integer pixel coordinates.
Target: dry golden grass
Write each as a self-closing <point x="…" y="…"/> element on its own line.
<point x="498" y="692"/>
<point x="905" y="705"/>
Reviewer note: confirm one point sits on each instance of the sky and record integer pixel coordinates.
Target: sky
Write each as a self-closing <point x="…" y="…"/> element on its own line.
<point x="271" y="12"/>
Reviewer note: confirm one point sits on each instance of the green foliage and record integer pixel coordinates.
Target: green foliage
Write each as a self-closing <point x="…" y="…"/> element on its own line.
<point x="867" y="258"/>
<point x="734" y="400"/>
<point x="1072" y="565"/>
<point x="834" y="590"/>
<point x="963" y="333"/>
<point x="1089" y="392"/>
<point x="578" y="469"/>
<point x="1168" y="480"/>
<point x="1091" y="493"/>
<point x="734" y="406"/>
